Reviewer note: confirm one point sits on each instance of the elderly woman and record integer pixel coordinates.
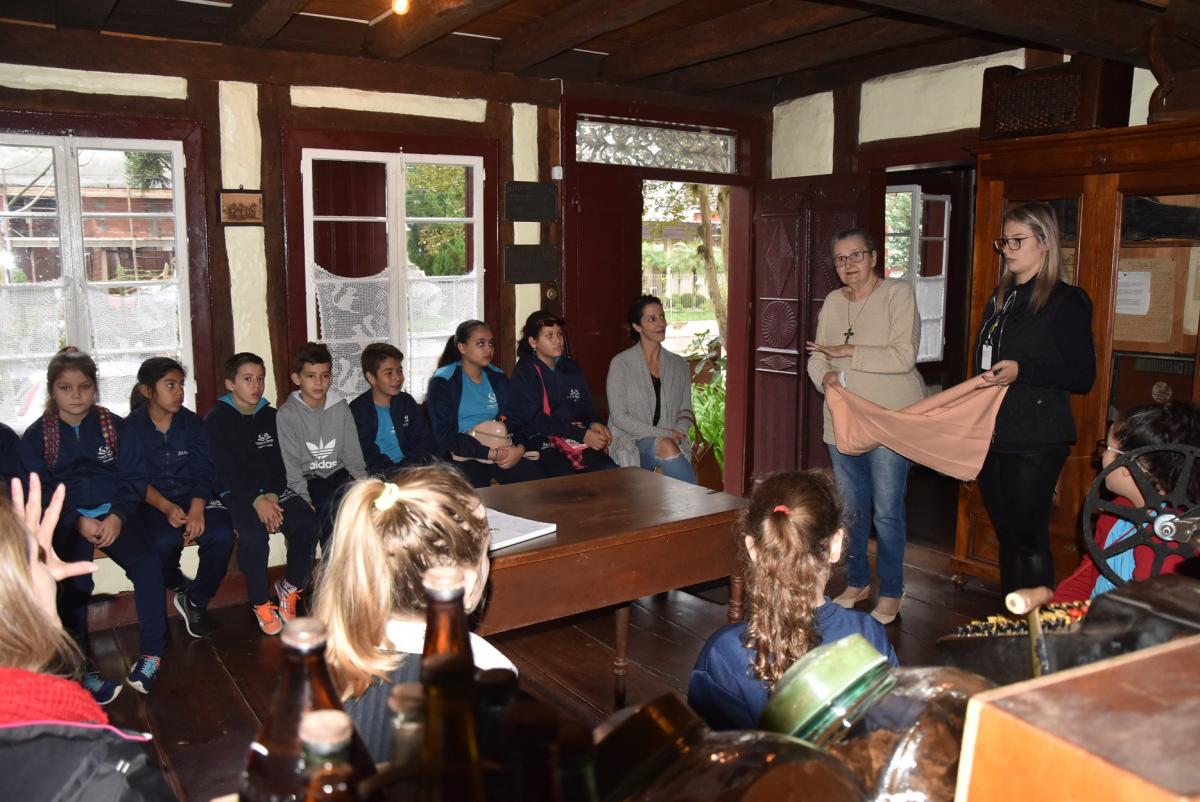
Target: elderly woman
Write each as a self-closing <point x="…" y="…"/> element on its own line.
<point x="650" y="398"/>
<point x="867" y="337"/>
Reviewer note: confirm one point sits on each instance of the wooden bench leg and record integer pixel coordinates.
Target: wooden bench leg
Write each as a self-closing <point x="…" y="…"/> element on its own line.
<point x="620" y="662"/>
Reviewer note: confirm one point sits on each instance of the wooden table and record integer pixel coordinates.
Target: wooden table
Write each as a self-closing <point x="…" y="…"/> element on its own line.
<point x="622" y="534"/>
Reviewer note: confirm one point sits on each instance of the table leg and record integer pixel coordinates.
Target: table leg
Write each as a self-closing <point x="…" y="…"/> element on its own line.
<point x="620" y="661"/>
<point x="737" y="597"/>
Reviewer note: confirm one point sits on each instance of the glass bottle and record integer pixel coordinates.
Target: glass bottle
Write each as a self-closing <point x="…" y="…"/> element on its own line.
<point x="274" y="762"/>
<point x="496" y="690"/>
<point x="576" y="763"/>
<point x="326" y="736"/>
<point x="529" y="731"/>
<point x="445" y="618"/>
<point x="450" y="770"/>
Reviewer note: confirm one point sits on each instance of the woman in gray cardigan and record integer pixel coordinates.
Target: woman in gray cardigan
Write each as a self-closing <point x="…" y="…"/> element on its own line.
<point x="650" y="398"/>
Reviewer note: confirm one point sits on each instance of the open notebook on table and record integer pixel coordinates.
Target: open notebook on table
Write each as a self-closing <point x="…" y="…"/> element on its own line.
<point x="508" y="530"/>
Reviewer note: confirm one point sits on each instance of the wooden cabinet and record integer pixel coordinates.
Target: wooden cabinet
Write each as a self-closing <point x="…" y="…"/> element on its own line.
<point x="1128" y="202"/>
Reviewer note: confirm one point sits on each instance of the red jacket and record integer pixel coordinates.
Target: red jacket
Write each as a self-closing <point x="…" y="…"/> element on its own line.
<point x="1078" y="586"/>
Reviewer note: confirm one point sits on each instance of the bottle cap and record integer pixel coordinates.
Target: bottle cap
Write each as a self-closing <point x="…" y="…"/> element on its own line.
<point x="444" y="582"/>
<point x="326" y="730"/>
<point x="304" y="633"/>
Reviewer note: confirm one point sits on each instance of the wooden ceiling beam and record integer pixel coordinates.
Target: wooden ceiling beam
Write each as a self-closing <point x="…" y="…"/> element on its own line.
<point x="89" y="14"/>
<point x="744" y="29"/>
<point x="570" y="26"/>
<point x="848" y="41"/>
<point x="1108" y="28"/>
<point x="398" y="35"/>
<point x="252" y="23"/>
<point x="844" y="73"/>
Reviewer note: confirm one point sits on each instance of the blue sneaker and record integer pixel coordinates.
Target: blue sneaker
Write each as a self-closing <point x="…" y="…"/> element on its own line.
<point x="144" y="672"/>
<point x="101" y="689"/>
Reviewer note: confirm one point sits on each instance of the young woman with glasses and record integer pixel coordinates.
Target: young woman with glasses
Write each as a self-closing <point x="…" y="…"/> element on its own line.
<point x="1036" y="337"/>
<point x="867" y="337"/>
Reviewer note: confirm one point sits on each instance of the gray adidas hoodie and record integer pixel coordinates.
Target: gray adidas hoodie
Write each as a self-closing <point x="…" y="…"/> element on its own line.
<point x="317" y="442"/>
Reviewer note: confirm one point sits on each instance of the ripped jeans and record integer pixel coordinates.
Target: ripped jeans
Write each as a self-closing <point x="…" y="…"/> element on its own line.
<point x="677" y="467"/>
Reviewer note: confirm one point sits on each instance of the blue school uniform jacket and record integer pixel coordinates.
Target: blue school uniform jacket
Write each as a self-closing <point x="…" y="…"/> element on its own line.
<point x="177" y="462"/>
<point x="10" y="456"/>
<point x="571" y="408"/>
<point x="445" y="393"/>
<point x="723" y="688"/>
<point x="412" y="432"/>
<point x="246" y="458"/>
<point x="86" y="464"/>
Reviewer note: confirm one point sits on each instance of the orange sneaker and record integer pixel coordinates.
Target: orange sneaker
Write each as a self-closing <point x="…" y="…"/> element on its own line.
<point x="289" y="601"/>
<point x="268" y="619"/>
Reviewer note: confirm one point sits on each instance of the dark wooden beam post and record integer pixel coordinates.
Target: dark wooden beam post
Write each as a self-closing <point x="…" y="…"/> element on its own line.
<point x="570" y="26"/>
<point x="735" y="32"/>
<point x="1109" y="28"/>
<point x="846" y="106"/>
<point x="253" y="22"/>
<point x="1037" y="57"/>
<point x="398" y="35"/>
<point x="804" y="52"/>
<point x="90" y="14"/>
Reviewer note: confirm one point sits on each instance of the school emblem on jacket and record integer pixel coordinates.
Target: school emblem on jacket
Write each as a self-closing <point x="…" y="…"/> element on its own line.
<point x="405" y="424"/>
<point x="264" y="440"/>
<point x="320" y="452"/>
<point x="105" y="453"/>
<point x="574" y="394"/>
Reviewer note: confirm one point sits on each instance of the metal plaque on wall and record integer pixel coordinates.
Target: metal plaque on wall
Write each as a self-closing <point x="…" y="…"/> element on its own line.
<point x="530" y="201"/>
<point x="530" y="264"/>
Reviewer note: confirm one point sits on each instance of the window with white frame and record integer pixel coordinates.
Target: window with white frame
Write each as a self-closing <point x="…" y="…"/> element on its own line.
<point x="393" y="253"/>
<point x="93" y="253"/>
<point x="916" y="248"/>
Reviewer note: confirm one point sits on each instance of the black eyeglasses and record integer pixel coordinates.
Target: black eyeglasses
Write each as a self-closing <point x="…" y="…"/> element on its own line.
<point x="1009" y="243"/>
<point x="851" y="258"/>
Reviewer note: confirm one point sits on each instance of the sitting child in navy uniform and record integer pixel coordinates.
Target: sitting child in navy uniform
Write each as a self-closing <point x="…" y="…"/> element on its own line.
<point x="792" y="534"/>
<point x="392" y="429"/>
<point x="10" y="458"/>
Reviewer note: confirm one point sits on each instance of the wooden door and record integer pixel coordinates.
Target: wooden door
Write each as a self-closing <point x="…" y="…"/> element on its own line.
<point x="794" y="221"/>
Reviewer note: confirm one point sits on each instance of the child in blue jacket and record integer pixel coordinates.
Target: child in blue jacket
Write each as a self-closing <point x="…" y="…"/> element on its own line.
<point x="253" y="486"/>
<point x="392" y="429"/>
<point x="10" y="457"/>
<point x="84" y="446"/>
<point x="179" y="508"/>
<point x="468" y="390"/>
<point x="550" y="398"/>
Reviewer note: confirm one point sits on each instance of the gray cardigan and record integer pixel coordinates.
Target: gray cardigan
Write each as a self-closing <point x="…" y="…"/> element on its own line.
<point x="631" y="402"/>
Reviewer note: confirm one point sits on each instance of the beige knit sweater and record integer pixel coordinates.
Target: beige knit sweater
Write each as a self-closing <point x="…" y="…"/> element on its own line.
<point x="887" y="332"/>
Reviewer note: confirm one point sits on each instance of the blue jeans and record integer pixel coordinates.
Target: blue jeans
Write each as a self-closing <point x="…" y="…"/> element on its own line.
<point x="872" y="487"/>
<point x="677" y="467"/>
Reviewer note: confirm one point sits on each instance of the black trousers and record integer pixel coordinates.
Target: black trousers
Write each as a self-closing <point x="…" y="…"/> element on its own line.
<point x="1018" y="491"/>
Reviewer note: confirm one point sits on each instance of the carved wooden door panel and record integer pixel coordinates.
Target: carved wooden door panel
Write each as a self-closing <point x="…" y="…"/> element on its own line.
<point x="794" y="221"/>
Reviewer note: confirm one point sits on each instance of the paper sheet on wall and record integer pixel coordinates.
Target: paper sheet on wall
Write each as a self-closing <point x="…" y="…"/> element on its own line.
<point x="1133" y="292"/>
<point x="1191" y="304"/>
<point x="1156" y="324"/>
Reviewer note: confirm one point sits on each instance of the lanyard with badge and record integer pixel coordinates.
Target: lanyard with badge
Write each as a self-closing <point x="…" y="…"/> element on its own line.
<point x="993" y="331"/>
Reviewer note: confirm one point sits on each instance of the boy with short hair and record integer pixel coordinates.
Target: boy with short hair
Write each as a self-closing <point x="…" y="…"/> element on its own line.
<point x="392" y="429"/>
<point x="320" y="446"/>
<point x="253" y="485"/>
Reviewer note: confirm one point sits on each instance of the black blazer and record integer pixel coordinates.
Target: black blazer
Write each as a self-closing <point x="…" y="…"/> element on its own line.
<point x="1056" y="357"/>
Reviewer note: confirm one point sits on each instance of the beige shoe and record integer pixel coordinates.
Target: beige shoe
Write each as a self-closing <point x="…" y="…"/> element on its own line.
<point x="887" y="609"/>
<point x="852" y="596"/>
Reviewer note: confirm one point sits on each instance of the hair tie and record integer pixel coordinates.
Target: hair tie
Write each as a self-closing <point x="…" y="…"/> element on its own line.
<point x="387" y="497"/>
<point x="782" y="508"/>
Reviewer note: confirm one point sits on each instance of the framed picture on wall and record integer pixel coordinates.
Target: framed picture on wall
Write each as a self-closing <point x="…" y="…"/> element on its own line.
<point x="240" y="207"/>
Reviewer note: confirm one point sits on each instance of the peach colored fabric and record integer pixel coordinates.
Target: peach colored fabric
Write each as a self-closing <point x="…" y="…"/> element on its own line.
<point x="949" y="431"/>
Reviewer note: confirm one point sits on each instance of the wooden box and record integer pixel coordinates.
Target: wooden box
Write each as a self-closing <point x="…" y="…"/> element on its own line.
<point x="1083" y="93"/>
<point x="1119" y="729"/>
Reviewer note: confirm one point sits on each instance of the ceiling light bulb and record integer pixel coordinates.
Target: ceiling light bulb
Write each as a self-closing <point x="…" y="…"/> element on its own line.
<point x="400" y="6"/>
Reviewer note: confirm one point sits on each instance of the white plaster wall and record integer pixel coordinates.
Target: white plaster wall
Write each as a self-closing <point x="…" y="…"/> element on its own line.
<point x="332" y="97"/>
<point x="927" y="101"/>
<point x="802" y="137"/>
<point x="1144" y="85"/>
<point x="525" y="168"/>
<point x="23" y="76"/>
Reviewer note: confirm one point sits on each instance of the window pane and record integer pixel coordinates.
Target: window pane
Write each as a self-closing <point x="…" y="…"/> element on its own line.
<point x="134" y="319"/>
<point x="126" y="181"/>
<point x="29" y="250"/>
<point x="27" y="179"/>
<point x="608" y="142"/>
<point x="22" y="391"/>
<point x="933" y="218"/>
<point x="437" y="190"/>
<point x="932" y="256"/>
<point x="351" y="249"/>
<point x="31" y="331"/>
<point x="440" y="249"/>
<point x="897" y="213"/>
<point x="898" y="252"/>
<point x="349" y="188"/>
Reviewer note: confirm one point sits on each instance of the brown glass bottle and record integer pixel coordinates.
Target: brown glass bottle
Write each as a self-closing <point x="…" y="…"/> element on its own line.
<point x="529" y="731"/>
<point x="450" y="770"/>
<point x="327" y="735"/>
<point x="445" y="618"/>
<point x="274" y="763"/>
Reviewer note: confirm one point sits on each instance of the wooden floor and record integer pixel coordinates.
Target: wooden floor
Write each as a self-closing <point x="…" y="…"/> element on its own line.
<point x="208" y="702"/>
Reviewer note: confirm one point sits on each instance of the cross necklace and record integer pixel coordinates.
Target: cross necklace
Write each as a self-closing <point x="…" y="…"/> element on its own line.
<point x="849" y="332"/>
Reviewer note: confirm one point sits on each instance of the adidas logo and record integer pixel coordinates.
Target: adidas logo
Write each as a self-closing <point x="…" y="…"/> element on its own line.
<point x="321" y="449"/>
<point x="323" y="464"/>
<point x="264" y="440"/>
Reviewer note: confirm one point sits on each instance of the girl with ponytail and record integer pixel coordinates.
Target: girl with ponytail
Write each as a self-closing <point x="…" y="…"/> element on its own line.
<point x="792" y="535"/>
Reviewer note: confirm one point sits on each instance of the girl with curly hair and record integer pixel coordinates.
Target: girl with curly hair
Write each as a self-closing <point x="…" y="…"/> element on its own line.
<point x="792" y="535"/>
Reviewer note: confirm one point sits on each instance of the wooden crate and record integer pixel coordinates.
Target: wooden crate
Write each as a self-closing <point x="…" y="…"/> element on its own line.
<point x="1119" y="729"/>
